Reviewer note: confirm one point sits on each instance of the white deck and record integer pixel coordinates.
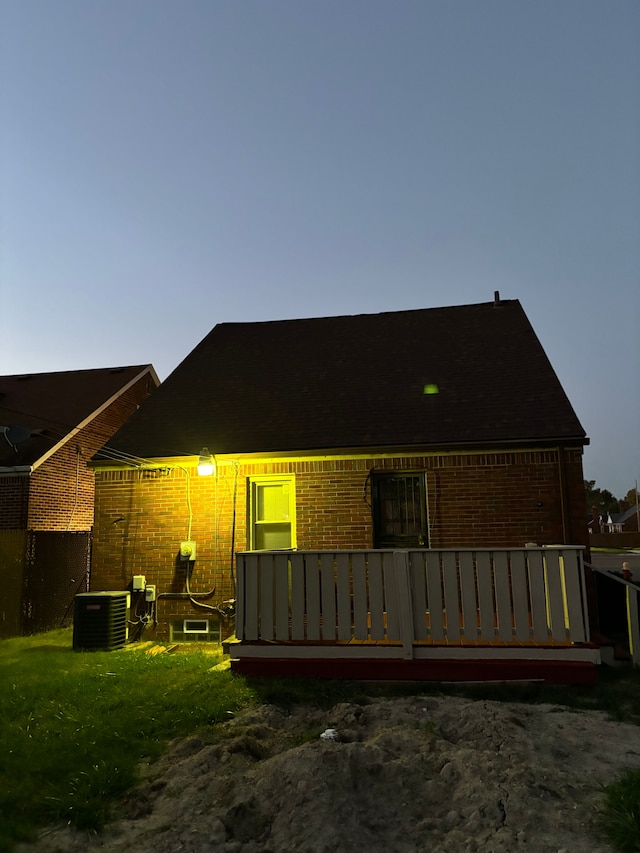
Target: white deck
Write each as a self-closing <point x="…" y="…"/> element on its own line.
<point x="458" y="603"/>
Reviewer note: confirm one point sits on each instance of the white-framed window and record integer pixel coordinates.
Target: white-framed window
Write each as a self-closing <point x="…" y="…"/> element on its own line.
<point x="272" y="513"/>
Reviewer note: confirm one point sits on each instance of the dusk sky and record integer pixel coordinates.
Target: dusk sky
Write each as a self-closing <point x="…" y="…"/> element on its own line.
<point x="167" y="166"/>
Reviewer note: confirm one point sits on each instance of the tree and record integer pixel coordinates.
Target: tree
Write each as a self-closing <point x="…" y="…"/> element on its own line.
<point x="602" y="499"/>
<point x="631" y="497"/>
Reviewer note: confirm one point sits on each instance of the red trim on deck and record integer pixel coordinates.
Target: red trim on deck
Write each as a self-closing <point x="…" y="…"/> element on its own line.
<point x="553" y="672"/>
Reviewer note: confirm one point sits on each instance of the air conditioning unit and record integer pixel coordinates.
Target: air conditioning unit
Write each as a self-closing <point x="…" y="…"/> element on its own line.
<point x="100" y="620"/>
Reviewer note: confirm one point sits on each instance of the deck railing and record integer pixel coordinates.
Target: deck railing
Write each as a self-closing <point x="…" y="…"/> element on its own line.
<point x="632" y="610"/>
<point x="466" y="597"/>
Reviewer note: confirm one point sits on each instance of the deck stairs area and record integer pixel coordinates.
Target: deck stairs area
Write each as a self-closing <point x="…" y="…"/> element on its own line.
<point x="617" y="617"/>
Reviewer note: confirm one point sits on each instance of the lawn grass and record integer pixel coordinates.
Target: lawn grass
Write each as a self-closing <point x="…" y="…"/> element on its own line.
<point x="621" y="820"/>
<point x="74" y="726"/>
<point x="597" y="550"/>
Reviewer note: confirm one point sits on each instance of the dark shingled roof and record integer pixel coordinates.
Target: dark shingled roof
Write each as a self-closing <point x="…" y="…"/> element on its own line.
<point x="37" y="410"/>
<point x="358" y="382"/>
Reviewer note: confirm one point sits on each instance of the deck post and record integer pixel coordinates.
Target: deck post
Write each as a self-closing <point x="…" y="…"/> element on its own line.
<point x="240" y="582"/>
<point x="633" y="622"/>
<point x="405" y="601"/>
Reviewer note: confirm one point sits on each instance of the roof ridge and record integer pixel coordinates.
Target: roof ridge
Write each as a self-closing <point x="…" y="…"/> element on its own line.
<point x="361" y="315"/>
<point x="84" y="370"/>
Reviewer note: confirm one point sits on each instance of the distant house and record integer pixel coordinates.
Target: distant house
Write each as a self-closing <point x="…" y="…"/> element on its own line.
<point x="440" y="428"/>
<point x="626" y="520"/>
<point x="51" y="424"/>
<point x="605" y="523"/>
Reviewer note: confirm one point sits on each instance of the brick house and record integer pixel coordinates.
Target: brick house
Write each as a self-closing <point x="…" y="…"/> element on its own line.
<point x="51" y="424"/>
<point x="626" y="521"/>
<point x="438" y="428"/>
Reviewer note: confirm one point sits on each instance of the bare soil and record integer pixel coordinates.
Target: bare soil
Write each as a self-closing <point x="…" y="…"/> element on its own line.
<point x="404" y="774"/>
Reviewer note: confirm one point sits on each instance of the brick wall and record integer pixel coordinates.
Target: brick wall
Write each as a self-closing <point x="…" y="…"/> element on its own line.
<point x="62" y="488"/>
<point x="14" y="502"/>
<point x="483" y="499"/>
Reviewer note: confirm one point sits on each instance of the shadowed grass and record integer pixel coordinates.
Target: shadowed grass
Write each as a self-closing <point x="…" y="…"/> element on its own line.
<point x="617" y="692"/>
<point x="621" y="819"/>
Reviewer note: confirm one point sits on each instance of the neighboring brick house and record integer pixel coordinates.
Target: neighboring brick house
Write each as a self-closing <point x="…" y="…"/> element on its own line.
<point x="443" y="427"/>
<point x="625" y="521"/>
<point x="51" y="424"/>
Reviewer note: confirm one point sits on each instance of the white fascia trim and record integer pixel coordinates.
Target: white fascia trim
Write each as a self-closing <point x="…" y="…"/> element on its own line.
<point x="94" y="415"/>
<point x="15" y="470"/>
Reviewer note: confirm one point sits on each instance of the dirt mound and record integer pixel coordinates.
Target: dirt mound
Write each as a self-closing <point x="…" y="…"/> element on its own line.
<point x="442" y="774"/>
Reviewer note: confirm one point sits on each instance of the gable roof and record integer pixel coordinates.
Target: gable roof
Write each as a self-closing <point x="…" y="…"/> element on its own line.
<point x="359" y="382"/>
<point x="622" y="517"/>
<point x="38" y="410"/>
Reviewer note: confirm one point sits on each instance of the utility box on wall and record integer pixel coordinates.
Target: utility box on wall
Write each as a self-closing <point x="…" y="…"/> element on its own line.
<point x="100" y="620"/>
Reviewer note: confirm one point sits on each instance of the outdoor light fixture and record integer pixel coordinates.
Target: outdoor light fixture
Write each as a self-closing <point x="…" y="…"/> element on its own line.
<point x="206" y="465"/>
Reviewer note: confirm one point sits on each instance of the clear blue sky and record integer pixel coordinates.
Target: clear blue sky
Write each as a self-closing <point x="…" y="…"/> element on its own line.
<point x="166" y="166"/>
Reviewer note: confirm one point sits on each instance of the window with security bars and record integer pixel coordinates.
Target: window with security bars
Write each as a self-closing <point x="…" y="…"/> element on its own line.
<point x="399" y="510"/>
